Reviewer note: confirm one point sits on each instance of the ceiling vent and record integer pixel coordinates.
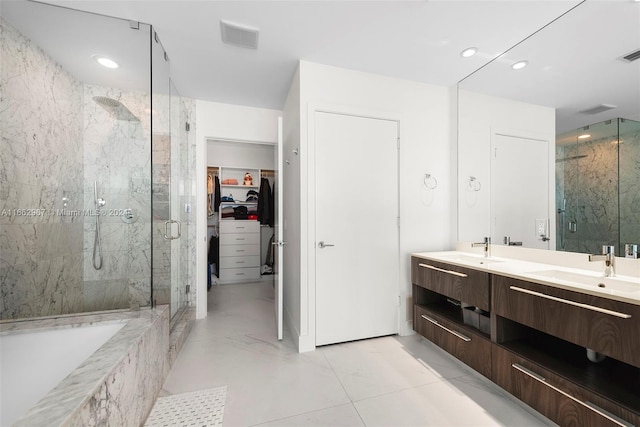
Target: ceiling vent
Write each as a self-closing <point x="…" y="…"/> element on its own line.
<point x="599" y="109"/>
<point x="632" y="56"/>
<point x="239" y="35"/>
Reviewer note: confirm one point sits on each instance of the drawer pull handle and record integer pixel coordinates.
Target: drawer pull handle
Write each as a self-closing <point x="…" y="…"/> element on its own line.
<point x="457" y="334"/>
<point x="574" y="303"/>
<point x="239" y="262"/>
<point x="432" y="267"/>
<point x="239" y="250"/>
<point x="239" y="238"/>
<point x="589" y="405"/>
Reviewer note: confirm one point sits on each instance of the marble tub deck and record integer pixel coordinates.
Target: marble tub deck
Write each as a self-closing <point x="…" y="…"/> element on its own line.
<point x="116" y="385"/>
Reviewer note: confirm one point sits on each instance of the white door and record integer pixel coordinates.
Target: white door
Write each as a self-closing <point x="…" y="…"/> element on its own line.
<point x="356" y="246"/>
<point x="520" y="191"/>
<point x="278" y="242"/>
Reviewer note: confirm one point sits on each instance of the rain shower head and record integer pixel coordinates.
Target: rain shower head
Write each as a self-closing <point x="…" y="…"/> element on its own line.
<point x="115" y="108"/>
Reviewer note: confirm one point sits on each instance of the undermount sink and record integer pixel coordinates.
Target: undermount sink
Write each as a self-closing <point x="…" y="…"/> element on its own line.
<point x="469" y="259"/>
<point x="603" y="283"/>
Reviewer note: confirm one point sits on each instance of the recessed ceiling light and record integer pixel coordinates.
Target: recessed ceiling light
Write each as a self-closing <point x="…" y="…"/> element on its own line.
<point x="468" y="52"/>
<point x="519" y="65"/>
<point x="106" y="62"/>
<point x="584" y="135"/>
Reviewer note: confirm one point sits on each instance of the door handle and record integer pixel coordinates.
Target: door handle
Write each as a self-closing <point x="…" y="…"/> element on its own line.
<point x="323" y="245"/>
<point x="279" y="243"/>
<point x="167" y="229"/>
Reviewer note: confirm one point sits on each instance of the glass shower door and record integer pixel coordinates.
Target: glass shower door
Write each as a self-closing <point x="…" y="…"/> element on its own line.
<point x="181" y="202"/>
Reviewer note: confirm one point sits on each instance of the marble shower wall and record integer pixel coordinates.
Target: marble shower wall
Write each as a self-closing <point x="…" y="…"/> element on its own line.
<point x="117" y="157"/>
<point x="591" y="191"/>
<point x="41" y="180"/>
<point x="56" y="141"/>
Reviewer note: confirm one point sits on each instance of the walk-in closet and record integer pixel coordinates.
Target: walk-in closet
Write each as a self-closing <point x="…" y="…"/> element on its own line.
<point x="240" y="211"/>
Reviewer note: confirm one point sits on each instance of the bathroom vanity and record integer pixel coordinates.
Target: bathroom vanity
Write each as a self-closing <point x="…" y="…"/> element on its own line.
<point x="527" y="327"/>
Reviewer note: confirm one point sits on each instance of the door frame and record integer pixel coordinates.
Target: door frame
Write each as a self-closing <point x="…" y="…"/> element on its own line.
<point x="307" y="339"/>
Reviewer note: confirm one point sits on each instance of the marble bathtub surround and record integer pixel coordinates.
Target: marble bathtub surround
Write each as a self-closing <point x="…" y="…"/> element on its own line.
<point x="118" y="384"/>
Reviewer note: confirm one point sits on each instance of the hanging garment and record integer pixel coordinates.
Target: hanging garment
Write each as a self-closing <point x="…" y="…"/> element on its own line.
<point x="216" y="197"/>
<point x="265" y="203"/>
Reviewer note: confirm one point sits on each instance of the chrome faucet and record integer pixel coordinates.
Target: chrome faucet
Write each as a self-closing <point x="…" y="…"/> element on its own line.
<point x="631" y="251"/>
<point x="609" y="258"/>
<point x="485" y="245"/>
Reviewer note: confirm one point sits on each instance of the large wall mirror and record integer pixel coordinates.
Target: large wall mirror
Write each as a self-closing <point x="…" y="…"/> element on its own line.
<point x="549" y="154"/>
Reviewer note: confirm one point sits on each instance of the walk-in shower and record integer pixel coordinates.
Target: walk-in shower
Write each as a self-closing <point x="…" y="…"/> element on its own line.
<point x="597" y="194"/>
<point x="76" y="134"/>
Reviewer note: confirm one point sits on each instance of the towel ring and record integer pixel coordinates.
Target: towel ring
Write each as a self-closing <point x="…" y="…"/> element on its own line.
<point x="430" y="181"/>
<point x="474" y="184"/>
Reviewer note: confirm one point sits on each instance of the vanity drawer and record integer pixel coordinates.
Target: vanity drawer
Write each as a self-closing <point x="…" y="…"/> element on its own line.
<point x="460" y="283"/>
<point x="464" y="344"/>
<point x="606" y="326"/>
<point x="560" y="400"/>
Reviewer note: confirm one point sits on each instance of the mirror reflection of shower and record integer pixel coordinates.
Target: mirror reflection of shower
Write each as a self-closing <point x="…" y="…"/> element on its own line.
<point x="597" y="171"/>
<point x="563" y="219"/>
<point x="97" y="241"/>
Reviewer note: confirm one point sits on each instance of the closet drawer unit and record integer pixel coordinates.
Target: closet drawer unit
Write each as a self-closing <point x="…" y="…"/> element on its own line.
<point x="240" y="250"/>
<point x="601" y="324"/>
<point x="239" y="274"/>
<point x="553" y="396"/>
<point x="460" y="283"/>
<point x="238" y="239"/>
<point x="464" y="344"/>
<point x="234" y="226"/>
<point x="239" y="261"/>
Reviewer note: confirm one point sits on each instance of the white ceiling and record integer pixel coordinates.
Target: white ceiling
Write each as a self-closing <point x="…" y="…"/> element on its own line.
<point x="415" y="40"/>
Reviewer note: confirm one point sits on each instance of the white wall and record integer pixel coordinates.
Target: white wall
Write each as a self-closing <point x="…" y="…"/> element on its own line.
<point x="241" y="155"/>
<point x="423" y="112"/>
<point x="229" y="122"/>
<point x="479" y="117"/>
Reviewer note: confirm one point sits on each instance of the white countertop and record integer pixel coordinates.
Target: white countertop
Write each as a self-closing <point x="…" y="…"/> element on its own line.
<point x="619" y="288"/>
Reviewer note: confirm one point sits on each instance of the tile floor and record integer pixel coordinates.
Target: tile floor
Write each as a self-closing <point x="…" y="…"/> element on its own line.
<point x="389" y="381"/>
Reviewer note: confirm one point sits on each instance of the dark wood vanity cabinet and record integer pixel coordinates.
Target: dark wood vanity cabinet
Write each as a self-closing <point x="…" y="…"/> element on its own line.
<point x="440" y="294"/>
<point x="472" y="348"/>
<point x="462" y="284"/>
<point x="536" y="349"/>
<point x="561" y="400"/>
<point x="603" y="325"/>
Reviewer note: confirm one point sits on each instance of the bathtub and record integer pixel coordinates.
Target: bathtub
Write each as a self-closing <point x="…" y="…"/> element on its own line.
<point x="96" y="369"/>
<point x="34" y="362"/>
